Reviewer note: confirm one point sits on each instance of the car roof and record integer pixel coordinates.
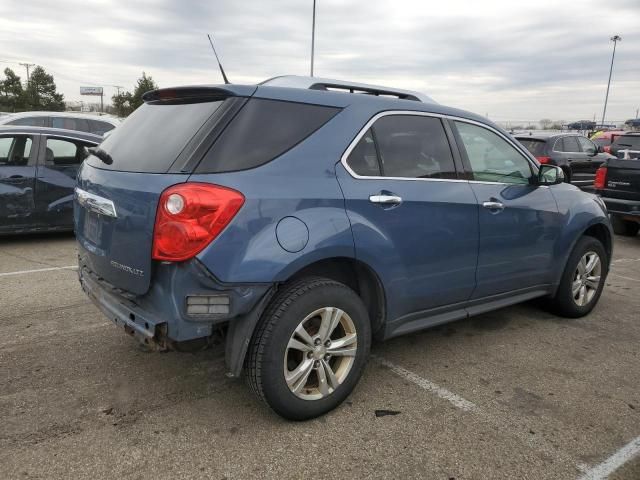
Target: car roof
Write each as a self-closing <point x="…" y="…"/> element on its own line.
<point x="544" y="136"/>
<point x="106" y="118"/>
<point x="59" y="132"/>
<point x="317" y="91"/>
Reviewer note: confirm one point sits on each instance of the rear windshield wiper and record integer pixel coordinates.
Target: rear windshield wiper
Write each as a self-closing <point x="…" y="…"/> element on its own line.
<point x="101" y="154"/>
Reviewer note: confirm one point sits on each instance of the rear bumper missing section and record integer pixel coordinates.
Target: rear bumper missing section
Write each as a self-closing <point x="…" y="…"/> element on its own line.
<point x="125" y="314"/>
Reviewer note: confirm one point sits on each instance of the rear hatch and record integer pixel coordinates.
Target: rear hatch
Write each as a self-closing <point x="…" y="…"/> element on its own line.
<point x="157" y="146"/>
<point x="622" y="180"/>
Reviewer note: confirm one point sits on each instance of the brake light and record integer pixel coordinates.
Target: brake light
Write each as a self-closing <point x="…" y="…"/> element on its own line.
<point x="544" y="159"/>
<point x="190" y="216"/>
<point x="606" y="149"/>
<point x="600" y="181"/>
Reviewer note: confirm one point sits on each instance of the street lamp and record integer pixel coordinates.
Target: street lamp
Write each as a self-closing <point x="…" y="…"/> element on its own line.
<point x="313" y="35"/>
<point x="615" y="39"/>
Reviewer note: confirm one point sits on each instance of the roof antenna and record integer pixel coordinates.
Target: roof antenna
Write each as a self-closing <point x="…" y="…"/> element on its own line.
<point x="224" y="76"/>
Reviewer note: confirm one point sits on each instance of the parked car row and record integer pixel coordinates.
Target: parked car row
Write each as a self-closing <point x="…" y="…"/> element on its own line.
<point x="578" y="156"/>
<point x="38" y="168"/>
<point x="98" y="125"/>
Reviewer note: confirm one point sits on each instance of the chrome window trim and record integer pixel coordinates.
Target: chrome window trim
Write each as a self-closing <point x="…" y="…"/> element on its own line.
<point x="52" y="135"/>
<point x="372" y="120"/>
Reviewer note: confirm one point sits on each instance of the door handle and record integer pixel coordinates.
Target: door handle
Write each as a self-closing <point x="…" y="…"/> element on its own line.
<point x="493" y="205"/>
<point x="385" y="199"/>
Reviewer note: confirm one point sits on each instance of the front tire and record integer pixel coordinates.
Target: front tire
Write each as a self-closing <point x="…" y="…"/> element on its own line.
<point x="624" y="227"/>
<point x="310" y="349"/>
<point x="583" y="279"/>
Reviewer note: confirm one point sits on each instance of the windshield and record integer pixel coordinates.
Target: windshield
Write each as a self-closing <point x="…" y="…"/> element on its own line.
<point x="535" y="147"/>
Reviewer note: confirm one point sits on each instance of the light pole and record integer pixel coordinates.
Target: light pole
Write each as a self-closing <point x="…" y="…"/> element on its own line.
<point x="615" y="39"/>
<point x="313" y="35"/>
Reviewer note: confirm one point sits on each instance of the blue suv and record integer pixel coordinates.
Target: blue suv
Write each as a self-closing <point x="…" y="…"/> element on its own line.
<point x="298" y="219"/>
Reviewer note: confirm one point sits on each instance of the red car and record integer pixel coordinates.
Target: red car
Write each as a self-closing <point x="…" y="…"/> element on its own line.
<point x="605" y="139"/>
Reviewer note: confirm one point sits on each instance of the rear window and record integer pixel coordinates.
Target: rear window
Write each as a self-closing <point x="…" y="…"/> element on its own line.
<point x="153" y="136"/>
<point x="536" y="147"/>
<point x="71" y="123"/>
<point x="628" y="141"/>
<point x="262" y="131"/>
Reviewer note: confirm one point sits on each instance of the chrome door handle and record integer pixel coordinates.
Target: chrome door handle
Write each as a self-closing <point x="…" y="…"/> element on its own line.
<point x="493" y="205"/>
<point x="385" y="199"/>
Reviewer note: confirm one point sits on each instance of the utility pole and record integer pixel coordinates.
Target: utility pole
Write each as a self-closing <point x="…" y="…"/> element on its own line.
<point x="313" y="35"/>
<point x="27" y="66"/>
<point x="615" y="39"/>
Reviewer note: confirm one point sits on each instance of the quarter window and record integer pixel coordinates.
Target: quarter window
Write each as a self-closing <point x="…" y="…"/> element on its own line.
<point x="491" y="158"/>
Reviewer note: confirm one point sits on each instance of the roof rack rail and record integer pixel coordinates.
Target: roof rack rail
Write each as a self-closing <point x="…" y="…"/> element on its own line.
<point x="314" y="83"/>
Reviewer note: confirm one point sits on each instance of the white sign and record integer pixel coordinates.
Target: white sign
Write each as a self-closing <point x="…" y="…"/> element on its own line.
<point x="90" y="90"/>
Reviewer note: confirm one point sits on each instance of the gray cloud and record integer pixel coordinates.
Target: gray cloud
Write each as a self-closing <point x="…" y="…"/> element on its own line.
<point x="510" y="59"/>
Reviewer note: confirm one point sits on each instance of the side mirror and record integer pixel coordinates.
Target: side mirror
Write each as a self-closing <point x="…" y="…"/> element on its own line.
<point x="591" y="151"/>
<point x="600" y="149"/>
<point x="550" y="175"/>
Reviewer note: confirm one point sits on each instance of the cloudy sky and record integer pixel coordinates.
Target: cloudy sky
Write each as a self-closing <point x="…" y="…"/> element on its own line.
<point x="513" y="60"/>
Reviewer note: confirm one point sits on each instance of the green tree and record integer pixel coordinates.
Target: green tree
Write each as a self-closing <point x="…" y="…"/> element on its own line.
<point x="145" y="84"/>
<point x="41" y="92"/>
<point x="122" y="103"/>
<point x="11" y="92"/>
<point x="126" y="102"/>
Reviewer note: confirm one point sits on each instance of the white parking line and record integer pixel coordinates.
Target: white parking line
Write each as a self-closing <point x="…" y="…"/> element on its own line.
<point x="50" y="269"/>
<point x="429" y="386"/>
<point x="615" y="461"/>
<point x="626" y="278"/>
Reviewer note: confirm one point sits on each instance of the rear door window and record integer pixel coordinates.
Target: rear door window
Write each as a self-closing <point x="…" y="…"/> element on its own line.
<point x="262" y="131"/>
<point x="568" y="145"/>
<point x="63" y="152"/>
<point x="413" y="146"/>
<point x="70" y="123"/>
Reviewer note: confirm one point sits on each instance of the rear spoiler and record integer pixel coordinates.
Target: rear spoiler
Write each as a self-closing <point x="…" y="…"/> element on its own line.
<point x="199" y="93"/>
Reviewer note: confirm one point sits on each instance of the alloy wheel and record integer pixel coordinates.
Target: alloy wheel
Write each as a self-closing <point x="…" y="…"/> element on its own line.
<point x="320" y="353"/>
<point x="586" y="278"/>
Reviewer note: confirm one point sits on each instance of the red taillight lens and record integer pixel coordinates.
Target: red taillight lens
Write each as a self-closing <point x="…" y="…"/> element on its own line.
<point x="606" y="149"/>
<point x="190" y="216"/>
<point x="601" y="178"/>
<point x="544" y="159"/>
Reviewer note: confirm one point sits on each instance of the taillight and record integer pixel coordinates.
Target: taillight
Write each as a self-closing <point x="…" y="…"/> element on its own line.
<point x="606" y="149"/>
<point x="544" y="159"/>
<point x="600" y="181"/>
<point x="190" y="216"/>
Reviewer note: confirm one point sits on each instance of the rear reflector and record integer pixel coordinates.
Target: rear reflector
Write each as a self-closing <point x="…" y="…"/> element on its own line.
<point x="600" y="181"/>
<point x="207" y="304"/>
<point x="544" y="159"/>
<point x="189" y="217"/>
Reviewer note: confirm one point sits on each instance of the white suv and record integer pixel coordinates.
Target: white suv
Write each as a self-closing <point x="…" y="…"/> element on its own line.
<point x="98" y="125"/>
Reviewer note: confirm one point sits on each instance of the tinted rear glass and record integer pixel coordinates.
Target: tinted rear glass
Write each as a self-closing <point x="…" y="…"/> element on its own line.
<point x="262" y="131"/>
<point x="536" y="147"/>
<point x="628" y="141"/>
<point x="153" y="136"/>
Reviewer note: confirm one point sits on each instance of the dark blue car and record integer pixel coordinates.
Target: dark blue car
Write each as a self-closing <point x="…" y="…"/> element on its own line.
<point x="300" y="218"/>
<point x="38" y="168"/>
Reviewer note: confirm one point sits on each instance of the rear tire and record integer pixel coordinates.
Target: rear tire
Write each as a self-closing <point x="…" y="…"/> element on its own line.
<point x="624" y="227"/>
<point x="310" y="348"/>
<point x="582" y="281"/>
